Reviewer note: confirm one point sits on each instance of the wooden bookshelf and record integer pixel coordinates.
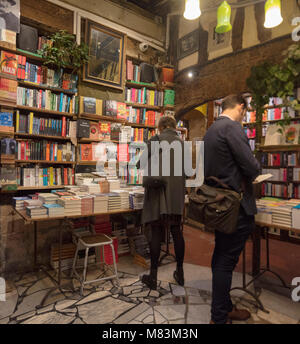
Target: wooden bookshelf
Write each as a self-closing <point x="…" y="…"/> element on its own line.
<point x="46" y="111"/>
<point x="45" y="162"/>
<point x="33" y="136"/>
<point x="138" y="125"/>
<point x="144" y="106"/>
<point x="94" y="117"/>
<point x="45" y="87"/>
<point x="26" y="188"/>
<point x="279" y="148"/>
<point x="81" y="162"/>
<point x="86" y="140"/>
<point x="141" y="85"/>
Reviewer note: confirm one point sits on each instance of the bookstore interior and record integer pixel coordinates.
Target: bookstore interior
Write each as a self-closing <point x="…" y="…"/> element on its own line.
<point x="82" y="90"/>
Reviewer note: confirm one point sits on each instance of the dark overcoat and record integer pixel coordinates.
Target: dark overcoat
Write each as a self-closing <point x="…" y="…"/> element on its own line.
<point x="169" y="199"/>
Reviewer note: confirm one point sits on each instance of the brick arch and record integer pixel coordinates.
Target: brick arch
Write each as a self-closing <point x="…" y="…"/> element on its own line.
<point x="225" y="75"/>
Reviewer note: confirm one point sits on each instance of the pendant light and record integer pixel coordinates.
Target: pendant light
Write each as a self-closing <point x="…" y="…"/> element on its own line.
<point x="273" y="16"/>
<point x="224" y="13"/>
<point x="192" y="9"/>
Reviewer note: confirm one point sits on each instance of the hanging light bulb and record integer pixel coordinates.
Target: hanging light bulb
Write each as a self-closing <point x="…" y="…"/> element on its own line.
<point x="192" y="9"/>
<point x="224" y="13"/>
<point x="273" y="13"/>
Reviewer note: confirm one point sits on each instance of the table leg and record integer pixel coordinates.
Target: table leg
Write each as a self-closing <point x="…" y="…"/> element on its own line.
<point x="59" y="257"/>
<point x="256" y="237"/>
<point x="35" y="244"/>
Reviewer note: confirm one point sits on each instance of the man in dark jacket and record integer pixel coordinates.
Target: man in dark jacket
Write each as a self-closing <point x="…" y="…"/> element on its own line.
<point x="165" y="204"/>
<point x="228" y="157"/>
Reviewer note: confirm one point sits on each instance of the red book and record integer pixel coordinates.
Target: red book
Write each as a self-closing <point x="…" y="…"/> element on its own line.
<point x="73" y="176"/>
<point x="19" y="72"/>
<point x="27" y="151"/>
<point x="63" y="127"/>
<point x="22" y="150"/>
<point x="9" y="63"/>
<point x="65" y="176"/>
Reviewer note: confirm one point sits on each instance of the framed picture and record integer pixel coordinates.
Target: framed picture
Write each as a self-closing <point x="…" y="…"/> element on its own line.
<point x="106" y="51"/>
<point x="188" y="44"/>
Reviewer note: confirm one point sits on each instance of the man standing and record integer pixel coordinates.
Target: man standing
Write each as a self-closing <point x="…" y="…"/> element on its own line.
<point x="228" y="157"/>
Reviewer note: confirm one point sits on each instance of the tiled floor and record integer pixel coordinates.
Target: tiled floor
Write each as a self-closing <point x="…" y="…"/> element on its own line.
<point x="35" y="301"/>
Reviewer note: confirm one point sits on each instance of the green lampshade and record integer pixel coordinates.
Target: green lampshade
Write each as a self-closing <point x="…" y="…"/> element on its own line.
<point x="224" y="13"/>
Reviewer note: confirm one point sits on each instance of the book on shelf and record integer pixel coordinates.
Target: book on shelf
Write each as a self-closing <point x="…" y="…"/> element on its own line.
<point x="281" y="159"/>
<point x="8" y="38"/>
<point x="6" y="122"/>
<point x="261" y="178"/>
<point x="144" y="96"/>
<point x="121" y="110"/>
<point x="45" y="99"/>
<point x="8" y="63"/>
<point x="290" y="136"/>
<point x="94" y="131"/>
<point x="8" y="178"/>
<point x="8" y="91"/>
<point x="45" y="150"/>
<point x="169" y="97"/>
<point x="83" y="128"/>
<point x="104" y="130"/>
<point x="51" y="176"/>
<point x="111" y="108"/>
<point x="91" y="105"/>
<point x="8" y="151"/>
<point x="143" y="116"/>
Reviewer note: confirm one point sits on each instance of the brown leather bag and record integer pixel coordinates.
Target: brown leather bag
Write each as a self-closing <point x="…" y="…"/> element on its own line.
<point x="216" y="208"/>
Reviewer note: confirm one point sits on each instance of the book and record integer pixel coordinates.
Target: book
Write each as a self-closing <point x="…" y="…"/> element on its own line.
<point x="262" y="178"/>
<point x="8" y="63"/>
<point x="83" y="128"/>
<point x="94" y="131"/>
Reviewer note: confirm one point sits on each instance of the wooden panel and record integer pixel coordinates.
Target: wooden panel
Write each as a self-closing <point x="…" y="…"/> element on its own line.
<point x="48" y="16"/>
<point x="238" y="28"/>
<point x="262" y="33"/>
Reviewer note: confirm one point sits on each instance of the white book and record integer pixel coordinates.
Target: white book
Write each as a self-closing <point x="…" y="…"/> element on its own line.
<point x="262" y="178"/>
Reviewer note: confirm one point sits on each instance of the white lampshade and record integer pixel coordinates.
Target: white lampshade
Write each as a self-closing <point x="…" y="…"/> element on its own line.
<point x="192" y="9"/>
<point x="273" y="16"/>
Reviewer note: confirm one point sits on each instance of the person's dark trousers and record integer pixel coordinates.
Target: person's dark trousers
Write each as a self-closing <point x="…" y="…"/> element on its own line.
<point x="225" y="258"/>
<point x="157" y="230"/>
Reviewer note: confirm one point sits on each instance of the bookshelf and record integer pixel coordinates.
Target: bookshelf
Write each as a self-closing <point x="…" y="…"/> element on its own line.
<point x="45" y="111"/>
<point x="43" y="87"/>
<point x="45" y="162"/>
<point x="33" y="136"/>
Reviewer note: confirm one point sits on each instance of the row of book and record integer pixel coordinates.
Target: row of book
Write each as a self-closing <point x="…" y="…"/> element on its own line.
<point x="144" y="96"/>
<point x="283" y="191"/>
<point x="34" y="124"/>
<point x="133" y="72"/>
<point x="282" y="159"/>
<point x="45" y="150"/>
<point x="8" y="91"/>
<point x="17" y="66"/>
<point x="6" y="122"/>
<point x="142" y="116"/>
<point x="251" y="133"/>
<point x="51" y="176"/>
<point x="45" y="99"/>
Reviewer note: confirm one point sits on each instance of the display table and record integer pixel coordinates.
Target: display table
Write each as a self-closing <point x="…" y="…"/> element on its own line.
<point x="63" y="224"/>
<point x="257" y="270"/>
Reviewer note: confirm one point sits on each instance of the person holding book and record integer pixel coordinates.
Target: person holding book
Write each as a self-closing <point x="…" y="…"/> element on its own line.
<point x="228" y="157"/>
<point x="164" y="202"/>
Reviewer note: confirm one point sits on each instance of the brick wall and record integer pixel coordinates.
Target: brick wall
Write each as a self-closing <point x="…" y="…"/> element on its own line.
<point x="225" y="75"/>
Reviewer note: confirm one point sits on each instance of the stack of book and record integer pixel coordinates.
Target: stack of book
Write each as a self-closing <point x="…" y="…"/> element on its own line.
<point x="104" y="186"/>
<point x="19" y="202"/>
<point x="282" y="215"/>
<point x="136" y="200"/>
<point x="139" y="248"/>
<point x="120" y="233"/>
<point x="67" y="256"/>
<point x="33" y="202"/>
<point x="114" y="184"/>
<point x="101" y="224"/>
<point x="71" y="204"/>
<point x="36" y="211"/>
<point x="55" y="210"/>
<point x="114" y="201"/>
<point x="48" y="198"/>
<point x="91" y="188"/>
<point x="124" y="198"/>
<point x="87" y="205"/>
<point x="100" y="203"/>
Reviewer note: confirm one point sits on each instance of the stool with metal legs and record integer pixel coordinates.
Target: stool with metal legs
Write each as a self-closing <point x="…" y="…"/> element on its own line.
<point x="87" y="242"/>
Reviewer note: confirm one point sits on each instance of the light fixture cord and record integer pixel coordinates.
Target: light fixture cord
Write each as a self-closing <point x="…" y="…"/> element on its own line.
<point x="235" y="5"/>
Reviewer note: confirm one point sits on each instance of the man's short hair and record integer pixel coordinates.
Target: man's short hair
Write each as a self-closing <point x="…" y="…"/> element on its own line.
<point x="167" y="122"/>
<point x="232" y="100"/>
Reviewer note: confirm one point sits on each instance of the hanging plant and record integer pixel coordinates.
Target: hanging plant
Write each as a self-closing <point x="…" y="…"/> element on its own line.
<point x="65" y="52"/>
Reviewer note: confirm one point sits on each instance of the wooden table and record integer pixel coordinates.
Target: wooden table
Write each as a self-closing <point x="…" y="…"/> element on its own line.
<point x="63" y="224"/>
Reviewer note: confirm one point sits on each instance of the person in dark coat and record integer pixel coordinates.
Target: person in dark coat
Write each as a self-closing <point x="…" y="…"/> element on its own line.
<point x="228" y="157"/>
<point x="165" y="204"/>
<point x="8" y="20"/>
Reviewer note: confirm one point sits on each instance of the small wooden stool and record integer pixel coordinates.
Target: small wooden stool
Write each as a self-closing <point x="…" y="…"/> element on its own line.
<point x="87" y="242"/>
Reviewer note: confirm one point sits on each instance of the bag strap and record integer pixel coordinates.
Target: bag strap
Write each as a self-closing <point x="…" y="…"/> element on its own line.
<point x="218" y="181"/>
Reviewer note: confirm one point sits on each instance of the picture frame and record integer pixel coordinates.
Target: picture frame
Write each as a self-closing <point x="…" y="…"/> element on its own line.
<point x="188" y="44"/>
<point x="218" y="41"/>
<point x="106" y="50"/>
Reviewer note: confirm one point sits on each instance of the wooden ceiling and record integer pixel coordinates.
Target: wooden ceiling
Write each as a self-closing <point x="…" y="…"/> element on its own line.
<point x="157" y="7"/>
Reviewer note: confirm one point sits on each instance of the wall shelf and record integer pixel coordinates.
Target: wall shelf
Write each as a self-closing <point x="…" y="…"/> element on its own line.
<point x="45" y="162"/>
<point x="50" y="112"/>
<point x="45" y="87"/>
<point x="33" y="136"/>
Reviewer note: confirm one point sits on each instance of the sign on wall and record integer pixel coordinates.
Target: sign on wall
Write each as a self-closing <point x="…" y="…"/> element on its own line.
<point x="188" y="44"/>
<point x="217" y="41"/>
<point x="10" y="15"/>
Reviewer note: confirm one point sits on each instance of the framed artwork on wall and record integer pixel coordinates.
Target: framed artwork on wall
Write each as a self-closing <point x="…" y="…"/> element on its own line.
<point x="106" y="51"/>
<point x="188" y="44"/>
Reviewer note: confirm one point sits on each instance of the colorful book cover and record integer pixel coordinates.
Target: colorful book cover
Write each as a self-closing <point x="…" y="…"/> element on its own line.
<point x="9" y="63"/>
<point x="86" y="152"/>
<point x="121" y="110"/>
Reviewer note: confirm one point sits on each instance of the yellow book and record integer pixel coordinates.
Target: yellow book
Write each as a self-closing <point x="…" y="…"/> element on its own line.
<point x="30" y="122"/>
<point x="81" y="104"/>
<point x="71" y="106"/>
<point x="51" y="175"/>
<point x="18" y="121"/>
<point x="152" y="95"/>
<point x="59" y="158"/>
<point x="99" y="107"/>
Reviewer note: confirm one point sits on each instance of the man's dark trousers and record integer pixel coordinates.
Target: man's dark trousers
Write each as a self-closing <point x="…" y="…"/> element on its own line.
<point x="226" y="255"/>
